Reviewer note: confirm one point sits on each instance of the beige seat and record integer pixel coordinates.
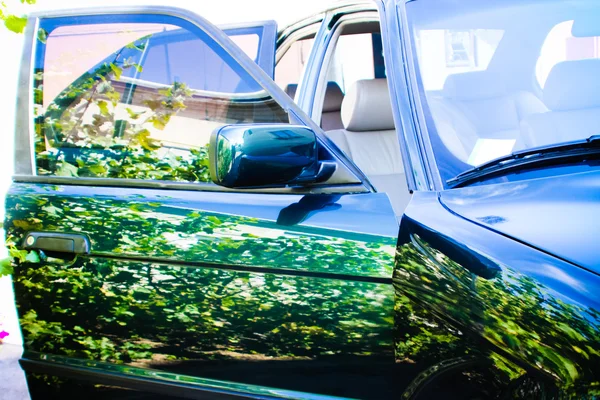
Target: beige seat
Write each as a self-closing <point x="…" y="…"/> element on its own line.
<point x="370" y="140"/>
<point x="477" y="105"/>
<point x="332" y="105"/>
<point x="572" y="93"/>
<point x="331" y="117"/>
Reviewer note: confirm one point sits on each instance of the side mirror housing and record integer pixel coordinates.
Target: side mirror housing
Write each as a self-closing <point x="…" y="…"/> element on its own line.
<point x="265" y="155"/>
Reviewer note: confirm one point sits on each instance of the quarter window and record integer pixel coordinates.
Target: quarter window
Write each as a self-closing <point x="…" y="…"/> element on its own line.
<point x="137" y="98"/>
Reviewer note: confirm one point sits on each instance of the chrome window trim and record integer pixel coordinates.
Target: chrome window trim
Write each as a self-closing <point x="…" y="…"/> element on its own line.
<point x="422" y="145"/>
<point x="24" y="132"/>
<point x="197" y="187"/>
<point x="24" y="153"/>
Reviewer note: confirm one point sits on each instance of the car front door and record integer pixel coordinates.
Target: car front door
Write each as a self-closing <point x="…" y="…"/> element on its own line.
<point x="135" y="272"/>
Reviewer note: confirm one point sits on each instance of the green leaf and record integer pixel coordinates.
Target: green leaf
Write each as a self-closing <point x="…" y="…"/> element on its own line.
<point x="42" y="35"/>
<point x="103" y="108"/>
<point x="133" y="114"/>
<point x="6" y="267"/>
<point x="32" y="257"/>
<point x="66" y="169"/>
<point x="97" y="169"/>
<point x="15" y="24"/>
<point x="116" y="70"/>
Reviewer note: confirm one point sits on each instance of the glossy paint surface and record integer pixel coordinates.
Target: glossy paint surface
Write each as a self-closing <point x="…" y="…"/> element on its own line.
<point x="559" y="215"/>
<point x="175" y="281"/>
<point x="262" y="155"/>
<point x="539" y="313"/>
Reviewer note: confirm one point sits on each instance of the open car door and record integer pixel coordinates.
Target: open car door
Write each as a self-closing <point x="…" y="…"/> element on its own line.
<point x="258" y="40"/>
<point x="138" y="276"/>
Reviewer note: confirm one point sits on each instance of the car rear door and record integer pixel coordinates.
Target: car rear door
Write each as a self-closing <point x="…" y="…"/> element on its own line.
<point x="136" y="273"/>
<point x="257" y="40"/>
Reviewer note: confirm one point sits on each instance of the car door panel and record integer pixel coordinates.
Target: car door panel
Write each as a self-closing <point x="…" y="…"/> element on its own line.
<point x="207" y="284"/>
<point x="287" y="290"/>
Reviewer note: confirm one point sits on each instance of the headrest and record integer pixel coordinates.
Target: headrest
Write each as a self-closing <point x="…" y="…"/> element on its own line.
<point x="474" y="85"/>
<point x="573" y="85"/>
<point x="290" y="89"/>
<point x="367" y="106"/>
<point x="333" y="98"/>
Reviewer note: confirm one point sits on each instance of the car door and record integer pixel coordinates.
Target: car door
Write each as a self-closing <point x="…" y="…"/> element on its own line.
<point x="258" y="40"/>
<point x="136" y="276"/>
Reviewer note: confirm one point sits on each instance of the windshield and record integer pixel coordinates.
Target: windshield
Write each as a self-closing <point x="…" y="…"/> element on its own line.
<point x="501" y="76"/>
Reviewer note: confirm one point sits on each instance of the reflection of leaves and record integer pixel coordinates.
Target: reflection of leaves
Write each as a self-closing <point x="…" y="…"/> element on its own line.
<point x="116" y="70"/>
<point x="189" y="312"/>
<point x="101" y="145"/>
<point x="514" y="313"/>
<point x="66" y="169"/>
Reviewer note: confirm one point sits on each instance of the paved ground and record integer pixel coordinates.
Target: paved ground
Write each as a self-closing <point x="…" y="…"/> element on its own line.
<point x="12" y="380"/>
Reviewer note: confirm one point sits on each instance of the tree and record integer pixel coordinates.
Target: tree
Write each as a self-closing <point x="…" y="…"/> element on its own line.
<point x="14" y="22"/>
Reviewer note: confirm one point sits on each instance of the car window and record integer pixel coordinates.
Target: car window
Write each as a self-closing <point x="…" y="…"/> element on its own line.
<point x="444" y="52"/>
<point x="137" y="99"/>
<point x="478" y="63"/>
<point x="354" y="59"/>
<point x="560" y="45"/>
<point x="290" y="67"/>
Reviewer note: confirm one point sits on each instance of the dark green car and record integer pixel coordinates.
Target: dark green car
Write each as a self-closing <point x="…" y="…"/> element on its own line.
<point x="239" y="212"/>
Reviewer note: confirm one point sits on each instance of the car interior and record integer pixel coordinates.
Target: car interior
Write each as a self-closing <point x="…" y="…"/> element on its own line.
<point x="492" y="86"/>
<point x="534" y="92"/>
<point x="357" y="114"/>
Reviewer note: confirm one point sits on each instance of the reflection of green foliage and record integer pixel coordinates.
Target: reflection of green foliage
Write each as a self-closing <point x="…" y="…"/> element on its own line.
<point x="79" y="134"/>
<point x="516" y="314"/>
<point x="124" y="311"/>
<point x="224" y="157"/>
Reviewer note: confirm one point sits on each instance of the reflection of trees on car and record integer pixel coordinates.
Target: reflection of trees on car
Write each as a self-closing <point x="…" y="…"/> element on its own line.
<point x="80" y="135"/>
<point x="519" y="317"/>
<point x="146" y="308"/>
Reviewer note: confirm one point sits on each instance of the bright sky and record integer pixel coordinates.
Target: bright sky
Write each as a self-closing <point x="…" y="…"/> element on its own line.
<point x="218" y="12"/>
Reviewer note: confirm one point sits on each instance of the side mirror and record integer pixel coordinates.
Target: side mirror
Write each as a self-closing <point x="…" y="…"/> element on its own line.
<point x="265" y="155"/>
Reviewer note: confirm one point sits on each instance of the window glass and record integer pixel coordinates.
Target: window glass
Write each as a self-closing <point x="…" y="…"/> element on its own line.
<point x="290" y="67"/>
<point x="560" y="45"/>
<point x="137" y="100"/>
<point x="443" y="52"/>
<point x="352" y="60"/>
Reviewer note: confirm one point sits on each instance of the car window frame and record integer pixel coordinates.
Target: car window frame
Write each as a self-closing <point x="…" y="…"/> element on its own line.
<point x="346" y="181"/>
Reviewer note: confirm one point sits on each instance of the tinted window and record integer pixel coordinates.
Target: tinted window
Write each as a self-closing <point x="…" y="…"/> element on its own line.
<point x="137" y="99"/>
<point x="290" y="67"/>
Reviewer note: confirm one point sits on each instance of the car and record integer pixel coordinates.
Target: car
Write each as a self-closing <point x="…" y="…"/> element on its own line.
<point x="386" y="199"/>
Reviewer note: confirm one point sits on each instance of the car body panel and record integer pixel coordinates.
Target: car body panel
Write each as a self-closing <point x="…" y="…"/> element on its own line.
<point x="538" y="312"/>
<point x="559" y="215"/>
<point x="202" y="292"/>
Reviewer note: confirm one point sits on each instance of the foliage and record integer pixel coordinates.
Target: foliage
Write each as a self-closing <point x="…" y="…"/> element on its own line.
<point x="14" y="22"/>
<point x="517" y="315"/>
<point x="80" y="135"/>
<point x="131" y="311"/>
